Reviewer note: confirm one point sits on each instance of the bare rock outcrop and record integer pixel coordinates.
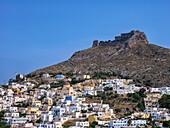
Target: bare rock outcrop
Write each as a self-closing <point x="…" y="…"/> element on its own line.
<point x="129" y="54"/>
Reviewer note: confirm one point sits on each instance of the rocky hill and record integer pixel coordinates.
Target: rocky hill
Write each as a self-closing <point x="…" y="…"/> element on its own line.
<point x="129" y="54"/>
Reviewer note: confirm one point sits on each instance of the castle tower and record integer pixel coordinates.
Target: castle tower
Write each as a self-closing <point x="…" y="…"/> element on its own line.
<point x="95" y="43"/>
<point x="15" y="75"/>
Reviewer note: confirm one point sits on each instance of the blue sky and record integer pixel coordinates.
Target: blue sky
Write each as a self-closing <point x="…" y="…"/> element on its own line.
<point x="38" y="33"/>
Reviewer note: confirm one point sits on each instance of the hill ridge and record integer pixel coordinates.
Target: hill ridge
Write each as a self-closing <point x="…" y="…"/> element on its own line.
<point x="134" y="57"/>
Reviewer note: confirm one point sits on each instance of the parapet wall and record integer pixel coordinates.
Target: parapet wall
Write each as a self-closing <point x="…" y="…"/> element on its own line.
<point x="132" y="37"/>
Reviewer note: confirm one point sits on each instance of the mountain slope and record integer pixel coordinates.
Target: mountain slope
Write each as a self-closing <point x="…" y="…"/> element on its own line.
<point x="129" y="54"/>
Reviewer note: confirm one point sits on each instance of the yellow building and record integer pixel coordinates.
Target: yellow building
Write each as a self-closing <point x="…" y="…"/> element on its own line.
<point x="49" y="101"/>
<point x="65" y="91"/>
<point x="84" y="85"/>
<point x="92" y="118"/>
<point x="152" y="99"/>
<point x="15" y="89"/>
<point x="141" y="115"/>
<point x="77" y="86"/>
<point x="92" y="84"/>
<point x="145" y="116"/>
<point x="36" y="103"/>
<point x="33" y="110"/>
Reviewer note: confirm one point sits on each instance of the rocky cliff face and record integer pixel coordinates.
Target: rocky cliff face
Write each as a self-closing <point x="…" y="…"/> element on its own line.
<point x="129" y="54"/>
<point x="125" y="40"/>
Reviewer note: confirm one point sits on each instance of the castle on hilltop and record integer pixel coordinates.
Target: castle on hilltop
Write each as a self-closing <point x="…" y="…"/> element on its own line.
<point x="130" y="38"/>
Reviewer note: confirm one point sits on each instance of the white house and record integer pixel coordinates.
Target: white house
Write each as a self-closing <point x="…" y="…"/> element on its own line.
<point x="2" y="92"/>
<point x="11" y="120"/>
<point x="46" y="75"/>
<point x="138" y="123"/>
<point x="80" y="77"/>
<point x="155" y="90"/>
<point x="101" y="114"/>
<point x="82" y="124"/>
<point x="75" y="108"/>
<point x="58" y="111"/>
<point x="57" y="124"/>
<point x="45" y="86"/>
<point x="165" y="90"/>
<point x="47" y="116"/>
<point x="118" y="123"/>
<point x="11" y="114"/>
<point x="45" y="125"/>
<point x="13" y="109"/>
<point x="124" y="123"/>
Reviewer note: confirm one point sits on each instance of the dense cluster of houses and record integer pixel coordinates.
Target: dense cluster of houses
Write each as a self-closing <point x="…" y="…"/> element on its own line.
<point x="152" y="105"/>
<point x="120" y="86"/>
<point x="28" y="106"/>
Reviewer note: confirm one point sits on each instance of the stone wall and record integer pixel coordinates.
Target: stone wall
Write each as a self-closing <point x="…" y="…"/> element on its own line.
<point x="130" y="38"/>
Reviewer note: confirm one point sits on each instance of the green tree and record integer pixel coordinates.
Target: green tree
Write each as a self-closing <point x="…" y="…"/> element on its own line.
<point x="42" y="82"/>
<point x="129" y="94"/>
<point x="136" y="96"/>
<point x="117" y="110"/>
<point x="39" y="120"/>
<point x="166" y="124"/>
<point x="141" y="106"/>
<point x="129" y="122"/>
<point x="165" y="101"/>
<point x="106" y="88"/>
<point x="103" y="97"/>
<point x="54" y="103"/>
<point x="2" y="114"/>
<point x="66" y="126"/>
<point x="90" y="109"/>
<point x="148" y="83"/>
<point x="127" y="77"/>
<point x="83" y="111"/>
<point x="93" y="124"/>
<point x="116" y="95"/>
<point x="3" y="124"/>
<point x="42" y="97"/>
<point x="114" y="74"/>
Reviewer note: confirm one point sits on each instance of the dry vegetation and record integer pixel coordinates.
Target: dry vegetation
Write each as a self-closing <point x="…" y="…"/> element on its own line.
<point x="141" y="62"/>
<point x="123" y="105"/>
<point x="71" y="122"/>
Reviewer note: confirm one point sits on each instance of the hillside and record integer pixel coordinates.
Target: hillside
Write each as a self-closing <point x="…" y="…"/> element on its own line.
<point x="129" y="54"/>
